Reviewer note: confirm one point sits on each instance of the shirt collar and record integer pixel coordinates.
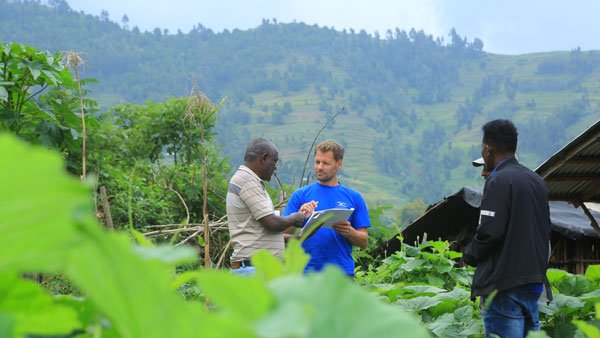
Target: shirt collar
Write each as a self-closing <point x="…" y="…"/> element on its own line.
<point x="250" y="171"/>
<point x="499" y="164"/>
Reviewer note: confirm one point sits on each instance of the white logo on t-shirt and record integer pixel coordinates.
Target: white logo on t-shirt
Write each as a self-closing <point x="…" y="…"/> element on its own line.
<point x="341" y="204"/>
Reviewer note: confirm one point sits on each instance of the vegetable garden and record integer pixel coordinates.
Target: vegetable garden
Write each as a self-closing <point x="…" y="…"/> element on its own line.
<point x="63" y="274"/>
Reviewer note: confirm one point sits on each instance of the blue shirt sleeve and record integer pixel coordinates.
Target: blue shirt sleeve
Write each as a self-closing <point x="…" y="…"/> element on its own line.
<point x="293" y="204"/>
<point x="360" y="216"/>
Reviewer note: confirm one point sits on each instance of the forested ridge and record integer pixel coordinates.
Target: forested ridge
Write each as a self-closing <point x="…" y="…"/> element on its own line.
<point x="413" y="103"/>
<point x="131" y="239"/>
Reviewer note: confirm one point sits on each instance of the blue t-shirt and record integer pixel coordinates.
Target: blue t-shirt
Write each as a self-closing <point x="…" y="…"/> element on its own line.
<point x="326" y="245"/>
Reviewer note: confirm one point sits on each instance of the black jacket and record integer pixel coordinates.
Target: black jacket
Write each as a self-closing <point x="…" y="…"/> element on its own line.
<point x="511" y="244"/>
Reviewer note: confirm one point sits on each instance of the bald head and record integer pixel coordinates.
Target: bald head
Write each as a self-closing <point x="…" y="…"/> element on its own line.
<point x="257" y="147"/>
<point x="262" y="157"/>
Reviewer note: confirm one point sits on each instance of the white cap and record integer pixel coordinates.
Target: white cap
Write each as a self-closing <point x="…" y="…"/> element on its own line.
<point x="479" y="162"/>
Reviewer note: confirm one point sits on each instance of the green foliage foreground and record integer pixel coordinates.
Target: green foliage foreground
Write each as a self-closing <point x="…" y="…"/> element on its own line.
<point x="424" y="281"/>
<point x="132" y="290"/>
<point x="47" y="226"/>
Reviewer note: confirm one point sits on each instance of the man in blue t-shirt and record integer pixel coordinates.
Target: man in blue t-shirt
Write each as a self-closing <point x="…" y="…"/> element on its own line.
<point x="332" y="245"/>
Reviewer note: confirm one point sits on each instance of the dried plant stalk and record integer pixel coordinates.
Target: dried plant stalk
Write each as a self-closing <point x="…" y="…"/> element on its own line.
<point x="74" y="61"/>
<point x="197" y="107"/>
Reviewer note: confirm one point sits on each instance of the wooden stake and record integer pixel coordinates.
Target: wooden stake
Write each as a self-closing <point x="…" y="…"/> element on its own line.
<point x="106" y="209"/>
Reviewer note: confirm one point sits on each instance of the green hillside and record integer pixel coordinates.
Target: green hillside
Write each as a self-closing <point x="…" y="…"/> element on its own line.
<point x="414" y="104"/>
<point x="534" y="111"/>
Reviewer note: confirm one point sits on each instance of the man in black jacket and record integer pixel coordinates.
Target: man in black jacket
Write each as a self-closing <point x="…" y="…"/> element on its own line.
<point x="510" y="247"/>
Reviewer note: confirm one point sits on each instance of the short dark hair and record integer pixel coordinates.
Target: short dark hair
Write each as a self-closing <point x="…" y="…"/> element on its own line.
<point x="257" y="147"/>
<point x="329" y="145"/>
<point x="502" y="134"/>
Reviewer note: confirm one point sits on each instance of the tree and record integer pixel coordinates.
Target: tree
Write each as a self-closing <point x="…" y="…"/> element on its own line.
<point x="287" y="108"/>
<point x="143" y="152"/>
<point x="34" y="103"/>
<point x="125" y="21"/>
<point x="104" y="15"/>
<point x="410" y="211"/>
<point x="477" y="44"/>
<point x="59" y="5"/>
<point x="510" y="89"/>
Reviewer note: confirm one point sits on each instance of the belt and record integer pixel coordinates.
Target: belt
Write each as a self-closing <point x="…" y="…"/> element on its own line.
<point x="241" y="264"/>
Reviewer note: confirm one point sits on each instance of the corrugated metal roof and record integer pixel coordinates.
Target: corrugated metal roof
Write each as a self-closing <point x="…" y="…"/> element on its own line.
<point x="573" y="173"/>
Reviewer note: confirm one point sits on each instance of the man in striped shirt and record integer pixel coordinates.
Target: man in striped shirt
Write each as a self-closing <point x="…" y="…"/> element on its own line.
<point x="253" y="225"/>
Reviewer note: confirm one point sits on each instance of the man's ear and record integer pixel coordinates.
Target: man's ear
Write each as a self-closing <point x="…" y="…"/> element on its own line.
<point x="263" y="157"/>
<point x="340" y="162"/>
<point x="491" y="149"/>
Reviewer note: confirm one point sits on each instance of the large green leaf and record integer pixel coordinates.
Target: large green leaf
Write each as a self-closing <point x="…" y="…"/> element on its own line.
<point x="411" y="251"/>
<point x="424" y="289"/>
<point x="3" y="94"/>
<point x="248" y="298"/>
<point x="5" y="48"/>
<point x="593" y="273"/>
<point x="291" y="319"/>
<point x="50" y="133"/>
<point x="389" y="290"/>
<point x="391" y="259"/>
<point x="38" y="200"/>
<point x="343" y="309"/>
<point x="267" y="265"/>
<point x="452" y="331"/>
<point x="462" y="276"/>
<point x="591" y="295"/>
<point x="295" y="258"/>
<point x="50" y="77"/>
<point x="456" y="294"/>
<point x="561" y="303"/>
<point x="435" y="280"/>
<point x="574" y="286"/>
<point x="473" y="329"/>
<point x="464" y="314"/>
<point x="537" y="334"/>
<point x="445" y="306"/>
<point x="87" y="312"/>
<point x="34" y="311"/>
<point x="443" y="267"/>
<point x="168" y="255"/>
<point x="134" y="293"/>
<point x="412" y="264"/>
<point x="441" y="323"/>
<point x="555" y="276"/>
<point x="589" y="330"/>
<point x="417" y="303"/>
<point x="440" y="246"/>
<point x="7" y="325"/>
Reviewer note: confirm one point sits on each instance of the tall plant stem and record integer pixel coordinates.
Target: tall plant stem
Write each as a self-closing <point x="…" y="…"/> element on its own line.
<point x="207" y="261"/>
<point x="82" y="118"/>
<point x="74" y="61"/>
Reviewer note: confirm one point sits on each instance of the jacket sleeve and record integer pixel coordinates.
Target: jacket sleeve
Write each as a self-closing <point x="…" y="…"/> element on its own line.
<point x="493" y="222"/>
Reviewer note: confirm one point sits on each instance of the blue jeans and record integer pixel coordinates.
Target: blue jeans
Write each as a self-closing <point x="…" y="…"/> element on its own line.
<point x="245" y="271"/>
<point x="512" y="313"/>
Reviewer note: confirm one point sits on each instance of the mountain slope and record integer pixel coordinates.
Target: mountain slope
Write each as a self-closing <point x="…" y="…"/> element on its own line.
<point x="414" y="105"/>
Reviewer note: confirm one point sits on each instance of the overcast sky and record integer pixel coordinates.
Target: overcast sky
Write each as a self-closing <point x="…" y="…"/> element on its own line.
<point x="505" y="26"/>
